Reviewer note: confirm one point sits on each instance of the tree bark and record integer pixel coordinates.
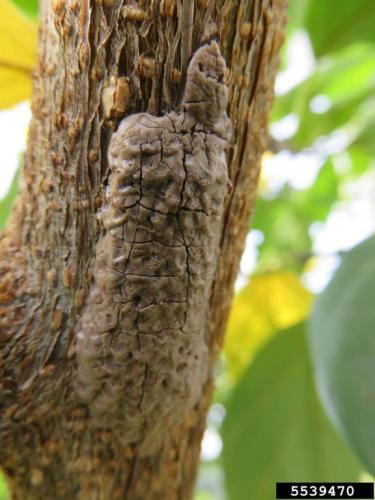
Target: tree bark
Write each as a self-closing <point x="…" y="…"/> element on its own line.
<point x="98" y="62"/>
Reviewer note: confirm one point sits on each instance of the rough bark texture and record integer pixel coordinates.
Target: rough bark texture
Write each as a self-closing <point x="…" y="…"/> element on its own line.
<point x="100" y="61"/>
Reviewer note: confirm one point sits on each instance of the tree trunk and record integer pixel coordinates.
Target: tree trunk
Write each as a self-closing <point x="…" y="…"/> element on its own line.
<point x="98" y="62"/>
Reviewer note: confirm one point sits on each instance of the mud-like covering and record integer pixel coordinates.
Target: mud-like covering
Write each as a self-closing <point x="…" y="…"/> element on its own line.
<point x="141" y="347"/>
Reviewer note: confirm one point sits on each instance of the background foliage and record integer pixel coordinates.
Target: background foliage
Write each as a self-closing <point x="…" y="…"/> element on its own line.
<point x="314" y="203"/>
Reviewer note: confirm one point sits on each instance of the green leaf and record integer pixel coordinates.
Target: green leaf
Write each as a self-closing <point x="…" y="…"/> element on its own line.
<point x="337" y="76"/>
<point x="6" y="203"/>
<point x="314" y="125"/>
<point x="296" y="210"/>
<point x="28" y="7"/>
<point x="347" y="80"/>
<point x="360" y="158"/>
<point x="365" y="137"/>
<point x="3" y="489"/>
<point x="296" y="13"/>
<point x="281" y="248"/>
<point x="334" y="24"/>
<point x="342" y="338"/>
<point x="275" y="429"/>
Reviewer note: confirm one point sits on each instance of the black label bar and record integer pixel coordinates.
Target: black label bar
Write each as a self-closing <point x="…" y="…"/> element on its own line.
<point x="308" y="491"/>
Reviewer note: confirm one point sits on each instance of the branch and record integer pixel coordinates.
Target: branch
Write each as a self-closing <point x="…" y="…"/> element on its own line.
<point x="100" y="61"/>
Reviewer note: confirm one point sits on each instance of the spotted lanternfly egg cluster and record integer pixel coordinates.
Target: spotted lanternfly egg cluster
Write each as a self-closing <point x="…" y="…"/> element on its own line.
<point x="141" y="345"/>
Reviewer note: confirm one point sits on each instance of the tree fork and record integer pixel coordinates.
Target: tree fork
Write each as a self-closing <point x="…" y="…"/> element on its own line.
<point x="98" y="62"/>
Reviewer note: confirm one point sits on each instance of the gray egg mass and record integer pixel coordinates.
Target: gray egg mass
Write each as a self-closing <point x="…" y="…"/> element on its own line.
<point x="141" y="346"/>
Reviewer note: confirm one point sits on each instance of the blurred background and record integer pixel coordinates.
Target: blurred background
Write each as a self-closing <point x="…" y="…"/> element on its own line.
<point x="315" y="201"/>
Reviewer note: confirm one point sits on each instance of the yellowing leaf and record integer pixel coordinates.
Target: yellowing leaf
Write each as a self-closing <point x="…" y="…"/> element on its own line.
<point x="18" y="38"/>
<point x="270" y="302"/>
<point x="15" y="86"/>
